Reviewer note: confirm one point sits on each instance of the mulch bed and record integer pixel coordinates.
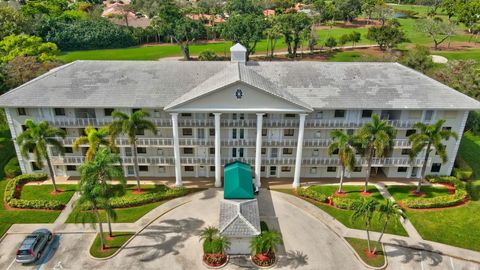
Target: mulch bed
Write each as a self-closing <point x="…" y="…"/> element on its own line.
<point x="413" y="192"/>
<point x="55" y="193"/>
<point x="402" y="205"/>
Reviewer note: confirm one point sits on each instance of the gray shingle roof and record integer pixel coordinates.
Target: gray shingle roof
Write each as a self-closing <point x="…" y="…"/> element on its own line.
<point x="239" y="218"/>
<point x="156" y="84"/>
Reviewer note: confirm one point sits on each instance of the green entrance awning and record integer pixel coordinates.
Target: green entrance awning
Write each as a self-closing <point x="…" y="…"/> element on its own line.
<point x="238" y="181"/>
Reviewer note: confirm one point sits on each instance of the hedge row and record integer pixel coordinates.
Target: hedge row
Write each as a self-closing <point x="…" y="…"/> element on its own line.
<point x="12" y="193"/>
<point x="441" y="201"/>
<point x="312" y="194"/>
<point x="346" y="203"/>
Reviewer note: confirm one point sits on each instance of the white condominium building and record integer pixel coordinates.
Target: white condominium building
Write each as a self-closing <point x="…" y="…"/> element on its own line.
<point x="277" y="116"/>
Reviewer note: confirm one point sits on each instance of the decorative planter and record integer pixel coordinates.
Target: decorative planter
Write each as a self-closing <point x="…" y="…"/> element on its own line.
<point x="215" y="261"/>
<point x="267" y="264"/>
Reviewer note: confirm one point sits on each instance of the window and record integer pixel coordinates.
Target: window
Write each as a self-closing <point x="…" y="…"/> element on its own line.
<point x="313" y="170"/>
<point x="288" y="132"/>
<point x="212" y="168"/>
<point x="136" y="110"/>
<point x="108" y="111"/>
<point x="161" y="169"/>
<point x="68" y="150"/>
<point x="188" y="151"/>
<point x="262" y="168"/>
<point x="290" y="115"/>
<point x="242" y="116"/>
<point x="436" y="167"/>
<point x="319" y="115"/>
<point x="447" y="128"/>
<point x="350" y="131"/>
<point x="59" y="111"/>
<point x="234" y="133"/>
<point x="141" y="150"/>
<point x="264" y="151"/>
<point x="405" y="151"/>
<point x="315" y="152"/>
<point x="211" y="115"/>
<point x="187" y="131"/>
<point x="402" y="169"/>
<point x="186" y="115"/>
<point x="189" y="168"/>
<point x="140" y="132"/>
<point x="71" y="168"/>
<point x="22" y="111"/>
<point x="212" y="132"/>
<point x="286" y="169"/>
<point x="242" y="133"/>
<point x="428" y="115"/>
<point x="212" y="151"/>
<point x="24" y="127"/>
<point x="367" y="113"/>
<point x="339" y="113"/>
<point x="331" y="169"/>
<point x="143" y="168"/>
<point x="264" y="132"/>
<point x="35" y="167"/>
<point x="410" y="132"/>
<point x="287" y="151"/>
<point x="335" y="152"/>
<point x="318" y="134"/>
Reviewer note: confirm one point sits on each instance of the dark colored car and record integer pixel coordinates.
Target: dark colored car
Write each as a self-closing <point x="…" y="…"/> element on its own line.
<point x="33" y="246"/>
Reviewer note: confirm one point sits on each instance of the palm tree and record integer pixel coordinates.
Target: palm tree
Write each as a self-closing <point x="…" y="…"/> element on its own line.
<point x="37" y="138"/>
<point x="343" y="144"/>
<point x="96" y="195"/>
<point x="428" y="137"/>
<point x="94" y="138"/>
<point x="208" y="233"/>
<point x="376" y="138"/>
<point x="365" y="211"/>
<point x="104" y="166"/>
<point x="266" y="242"/>
<point x="223" y="243"/>
<point x="131" y="126"/>
<point x="387" y="210"/>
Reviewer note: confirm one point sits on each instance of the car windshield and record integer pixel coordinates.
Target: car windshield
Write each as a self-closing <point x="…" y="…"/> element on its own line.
<point x="24" y="252"/>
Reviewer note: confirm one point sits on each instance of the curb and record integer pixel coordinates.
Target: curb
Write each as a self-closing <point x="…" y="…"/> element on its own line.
<point x="363" y="262"/>
<point x="134" y="235"/>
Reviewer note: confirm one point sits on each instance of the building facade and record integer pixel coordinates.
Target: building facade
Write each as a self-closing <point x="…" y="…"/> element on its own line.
<point x="276" y="116"/>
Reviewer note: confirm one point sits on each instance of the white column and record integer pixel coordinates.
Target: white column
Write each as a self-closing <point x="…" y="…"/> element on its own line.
<point x="453" y="154"/>
<point x="21" y="160"/>
<point x="218" y="162"/>
<point x="258" y="150"/>
<point x="176" y="151"/>
<point x="298" y="161"/>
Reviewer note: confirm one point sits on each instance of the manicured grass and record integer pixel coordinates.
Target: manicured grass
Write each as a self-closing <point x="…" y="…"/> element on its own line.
<point x="345" y="56"/>
<point x="353" y="192"/>
<point x="42" y="192"/>
<point x="4" y="228"/>
<point x="403" y="192"/>
<point x="458" y="226"/>
<point x="470" y="54"/>
<point x="361" y="246"/>
<point x="344" y="216"/>
<point x="112" y="245"/>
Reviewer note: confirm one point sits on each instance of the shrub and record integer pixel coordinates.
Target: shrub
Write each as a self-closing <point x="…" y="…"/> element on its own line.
<point x="12" y="168"/>
<point x="346" y="203"/>
<point x="207" y="55"/>
<point x="13" y="191"/>
<point x="463" y="171"/>
<point x="312" y="194"/>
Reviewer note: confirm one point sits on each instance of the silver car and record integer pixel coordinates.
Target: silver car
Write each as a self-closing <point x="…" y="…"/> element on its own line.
<point x="33" y="246"/>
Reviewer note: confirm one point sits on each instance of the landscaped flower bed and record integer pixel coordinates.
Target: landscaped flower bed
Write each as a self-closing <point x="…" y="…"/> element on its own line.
<point x="13" y="190"/>
<point x="456" y="198"/>
<point x="264" y="259"/>
<point x="312" y="194"/>
<point x="215" y="259"/>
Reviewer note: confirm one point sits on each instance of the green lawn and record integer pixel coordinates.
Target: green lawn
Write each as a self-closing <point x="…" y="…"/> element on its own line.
<point x="7" y="149"/>
<point x="470" y="54"/>
<point x="351" y="191"/>
<point x="343" y="216"/>
<point x="42" y="192"/>
<point x="404" y="192"/>
<point x="458" y="226"/>
<point x="112" y="244"/>
<point x="360" y="246"/>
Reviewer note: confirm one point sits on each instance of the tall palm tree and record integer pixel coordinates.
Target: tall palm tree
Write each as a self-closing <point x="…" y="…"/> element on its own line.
<point x="95" y="139"/>
<point x="365" y="211"/>
<point x="130" y="126"/>
<point x="376" y="139"/>
<point x="429" y="137"/>
<point x="105" y="166"/>
<point x="387" y="210"/>
<point x="343" y="144"/>
<point x="95" y="194"/>
<point x="37" y="138"/>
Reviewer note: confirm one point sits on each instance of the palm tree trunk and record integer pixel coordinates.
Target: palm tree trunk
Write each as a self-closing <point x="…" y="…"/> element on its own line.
<point x="52" y="175"/>
<point x="135" y="164"/>
<point x="109" y="222"/>
<point x="368" y="239"/>
<point x="100" y="225"/>
<point x="424" y="168"/>
<point x="369" y="168"/>
<point x="381" y="235"/>
<point x="342" y="172"/>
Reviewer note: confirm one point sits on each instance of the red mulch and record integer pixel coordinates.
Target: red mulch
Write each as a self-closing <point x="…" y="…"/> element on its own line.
<point x="55" y="193"/>
<point x="370" y="254"/>
<point x="451" y="188"/>
<point x="108" y="237"/>
<point x="138" y="191"/>
<point x="340" y="194"/>
<point x="365" y="194"/>
<point x="419" y="194"/>
<point x="104" y="250"/>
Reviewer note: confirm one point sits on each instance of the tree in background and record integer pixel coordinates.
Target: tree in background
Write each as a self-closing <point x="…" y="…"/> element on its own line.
<point x="386" y="36"/>
<point x="246" y="29"/>
<point x="344" y="39"/>
<point x="243" y="7"/>
<point x="292" y="25"/>
<point x="418" y="58"/>
<point x="462" y="75"/>
<point x="331" y="42"/>
<point x="436" y="29"/>
<point x="369" y="7"/>
<point x="36" y="139"/>
<point x="428" y="137"/>
<point x="325" y="10"/>
<point x="355" y="37"/>
<point x="12" y="22"/>
<point x="22" y="69"/>
<point x="272" y="33"/>
<point x="26" y="45"/>
<point x="347" y="10"/>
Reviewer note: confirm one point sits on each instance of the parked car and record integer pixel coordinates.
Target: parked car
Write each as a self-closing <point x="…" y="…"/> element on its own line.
<point x="33" y="246"/>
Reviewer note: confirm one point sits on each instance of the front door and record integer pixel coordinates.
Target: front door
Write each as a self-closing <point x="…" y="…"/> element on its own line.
<point x="202" y="171"/>
<point x="273" y="170"/>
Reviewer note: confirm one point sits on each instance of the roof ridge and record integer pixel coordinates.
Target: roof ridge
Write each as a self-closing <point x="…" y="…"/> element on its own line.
<point x="240" y="215"/>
